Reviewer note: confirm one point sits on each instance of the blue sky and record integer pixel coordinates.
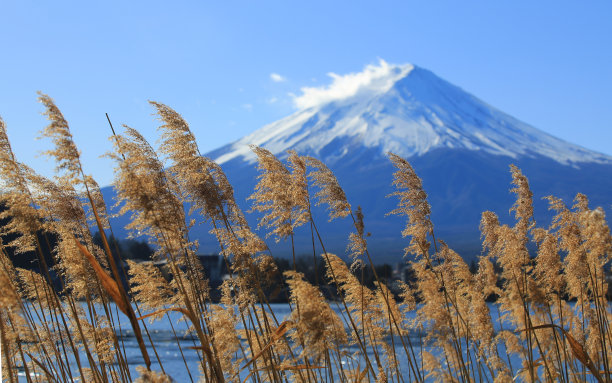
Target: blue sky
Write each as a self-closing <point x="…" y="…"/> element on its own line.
<point x="547" y="63"/>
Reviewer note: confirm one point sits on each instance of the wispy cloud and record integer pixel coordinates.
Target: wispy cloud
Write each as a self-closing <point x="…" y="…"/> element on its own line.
<point x="277" y="77"/>
<point x="248" y="107"/>
<point x="373" y="78"/>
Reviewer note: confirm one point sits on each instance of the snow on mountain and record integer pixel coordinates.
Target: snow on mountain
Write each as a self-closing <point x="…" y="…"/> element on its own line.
<point x="406" y="110"/>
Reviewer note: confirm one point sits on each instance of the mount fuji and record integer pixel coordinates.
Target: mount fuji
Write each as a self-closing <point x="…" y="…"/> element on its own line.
<point x="406" y="110"/>
<point x="460" y="146"/>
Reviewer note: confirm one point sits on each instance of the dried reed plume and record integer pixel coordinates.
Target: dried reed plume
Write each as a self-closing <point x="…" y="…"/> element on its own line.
<point x="65" y="152"/>
<point x="413" y="204"/>
<point x="273" y="196"/>
<point x="317" y="325"/>
<point x="330" y="193"/>
<point x="521" y="315"/>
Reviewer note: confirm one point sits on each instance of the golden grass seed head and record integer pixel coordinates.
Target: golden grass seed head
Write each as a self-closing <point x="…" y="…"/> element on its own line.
<point x="98" y="200"/>
<point x="149" y="286"/>
<point x="433" y="313"/>
<point x="34" y="287"/>
<point x="489" y="224"/>
<point x="596" y="234"/>
<point x="103" y="336"/>
<point x="358" y="297"/>
<point x="407" y="295"/>
<point x="144" y="190"/>
<point x="299" y="189"/>
<point x="412" y="204"/>
<point x="9" y="297"/>
<point x="523" y="206"/>
<point x="486" y="277"/>
<point x="316" y="324"/>
<point x="549" y="267"/>
<point x="148" y="376"/>
<point x="203" y="182"/>
<point x="432" y="366"/>
<point x="23" y="218"/>
<point x="223" y="323"/>
<point x="74" y="268"/>
<point x="330" y="192"/>
<point x="59" y="202"/>
<point x="357" y="245"/>
<point x="381" y="377"/>
<point x="271" y="195"/>
<point x="65" y="153"/>
<point x="390" y="310"/>
<point x="569" y="233"/>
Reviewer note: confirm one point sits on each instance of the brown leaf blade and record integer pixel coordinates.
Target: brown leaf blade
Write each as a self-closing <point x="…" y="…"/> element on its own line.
<point x="108" y="283"/>
<point x="363" y="374"/>
<point x="276" y="335"/>
<point x="577" y="349"/>
<point x="177" y="309"/>
<point x="581" y="354"/>
<point x="299" y="367"/>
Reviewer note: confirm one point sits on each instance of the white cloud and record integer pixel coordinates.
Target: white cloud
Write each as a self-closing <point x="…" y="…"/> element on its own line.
<point x="272" y="100"/>
<point x="277" y="77"/>
<point x="374" y="78"/>
<point x="248" y="107"/>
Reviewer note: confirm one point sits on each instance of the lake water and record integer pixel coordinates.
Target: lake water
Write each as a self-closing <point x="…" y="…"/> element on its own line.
<point x="168" y="352"/>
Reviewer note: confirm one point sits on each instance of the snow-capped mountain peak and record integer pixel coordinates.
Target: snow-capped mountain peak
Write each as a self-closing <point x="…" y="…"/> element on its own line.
<point x="403" y="109"/>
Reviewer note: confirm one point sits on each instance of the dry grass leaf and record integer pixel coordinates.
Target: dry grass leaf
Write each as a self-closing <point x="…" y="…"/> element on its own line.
<point x="577" y="349"/>
<point x="177" y="309"/>
<point x="362" y="375"/>
<point x="108" y="283"/>
<point x="276" y="335"/>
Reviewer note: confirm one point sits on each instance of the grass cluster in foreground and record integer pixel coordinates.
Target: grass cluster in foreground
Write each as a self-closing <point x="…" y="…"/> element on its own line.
<point x="58" y="334"/>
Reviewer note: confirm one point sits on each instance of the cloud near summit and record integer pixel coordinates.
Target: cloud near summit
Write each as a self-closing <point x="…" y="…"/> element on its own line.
<point x="373" y="79"/>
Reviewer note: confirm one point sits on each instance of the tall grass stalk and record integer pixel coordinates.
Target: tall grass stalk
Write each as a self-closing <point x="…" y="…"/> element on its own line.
<point x="70" y="326"/>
